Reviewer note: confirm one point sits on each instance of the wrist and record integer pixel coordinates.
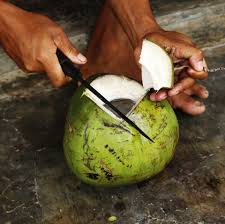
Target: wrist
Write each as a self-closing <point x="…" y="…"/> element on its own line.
<point x="2" y="15"/>
<point x="136" y="18"/>
<point x="147" y="27"/>
<point x="9" y="15"/>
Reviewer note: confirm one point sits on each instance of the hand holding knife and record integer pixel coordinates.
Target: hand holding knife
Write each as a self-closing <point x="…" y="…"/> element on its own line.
<point x="70" y="70"/>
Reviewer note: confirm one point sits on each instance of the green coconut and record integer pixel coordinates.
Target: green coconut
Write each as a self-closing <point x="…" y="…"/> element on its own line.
<point x="103" y="150"/>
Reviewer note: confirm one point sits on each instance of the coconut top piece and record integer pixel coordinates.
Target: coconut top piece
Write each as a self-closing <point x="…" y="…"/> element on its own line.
<point x="114" y="87"/>
<point x="157" y="67"/>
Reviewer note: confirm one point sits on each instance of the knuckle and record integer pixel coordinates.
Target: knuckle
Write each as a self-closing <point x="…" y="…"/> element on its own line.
<point x="200" y="53"/>
<point x="24" y="69"/>
<point x="155" y="35"/>
<point x="190" y="80"/>
<point x="191" y="41"/>
<point x="29" y="67"/>
<point x="57" y="82"/>
<point x="43" y="17"/>
<point x="58" y="38"/>
<point x="59" y="35"/>
<point x="41" y="57"/>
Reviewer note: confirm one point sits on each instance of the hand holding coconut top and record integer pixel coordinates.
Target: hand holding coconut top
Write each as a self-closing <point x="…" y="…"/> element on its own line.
<point x="139" y="23"/>
<point x="31" y="40"/>
<point x="183" y="52"/>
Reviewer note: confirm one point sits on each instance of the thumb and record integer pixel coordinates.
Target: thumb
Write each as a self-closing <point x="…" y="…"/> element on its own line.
<point x="195" y="57"/>
<point x="63" y="43"/>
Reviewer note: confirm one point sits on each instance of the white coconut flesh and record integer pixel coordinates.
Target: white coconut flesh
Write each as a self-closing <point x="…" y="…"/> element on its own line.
<point x="157" y="67"/>
<point x="122" y="92"/>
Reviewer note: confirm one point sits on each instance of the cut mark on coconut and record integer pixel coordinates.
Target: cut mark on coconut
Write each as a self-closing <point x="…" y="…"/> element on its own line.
<point x="126" y="94"/>
<point x="124" y="105"/>
<point x="93" y="176"/>
<point x="122" y="92"/>
<point x="116" y="126"/>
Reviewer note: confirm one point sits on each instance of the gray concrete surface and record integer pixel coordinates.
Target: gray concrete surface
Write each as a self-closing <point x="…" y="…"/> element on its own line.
<point x="37" y="187"/>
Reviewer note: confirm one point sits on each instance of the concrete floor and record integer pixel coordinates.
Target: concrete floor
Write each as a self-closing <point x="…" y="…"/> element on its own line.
<point x="37" y="187"/>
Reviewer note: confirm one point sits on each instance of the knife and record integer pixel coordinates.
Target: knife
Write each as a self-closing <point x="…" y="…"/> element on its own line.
<point x="70" y="70"/>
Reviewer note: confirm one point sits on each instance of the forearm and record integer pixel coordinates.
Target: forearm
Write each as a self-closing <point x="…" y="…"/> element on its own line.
<point x="136" y="17"/>
<point x="9" y="15"/>
<point x="3" y="8"/>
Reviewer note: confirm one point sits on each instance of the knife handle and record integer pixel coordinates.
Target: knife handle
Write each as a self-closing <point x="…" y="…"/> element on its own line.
<point x="68" y="67"/>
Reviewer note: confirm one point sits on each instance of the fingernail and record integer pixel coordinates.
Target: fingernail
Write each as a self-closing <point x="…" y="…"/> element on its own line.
<point x="163" y="97"/>
<point x="174" y="92"/>
<point x="206" y="92"/>
<point x="81" y="58"/>
<point x="198" y="104"/>
<point x="199" y="66"/>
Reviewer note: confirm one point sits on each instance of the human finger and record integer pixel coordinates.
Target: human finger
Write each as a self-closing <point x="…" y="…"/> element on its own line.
<point x="63" y="43"/>
<point x="198" y="90"/>
<point x="187" y="104"/>
<point x="54" y="71"/>
<point x="158" y="96"/>
<point x="182" y="85"/>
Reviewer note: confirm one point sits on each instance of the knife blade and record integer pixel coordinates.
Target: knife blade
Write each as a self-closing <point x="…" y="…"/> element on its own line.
<point x="70" y="70"/>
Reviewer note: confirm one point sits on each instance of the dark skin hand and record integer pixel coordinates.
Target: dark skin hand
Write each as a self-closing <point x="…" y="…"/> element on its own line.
<point x="142" y="24"/>
<point x="31" y="40"/>
<point x="124" y="27"/>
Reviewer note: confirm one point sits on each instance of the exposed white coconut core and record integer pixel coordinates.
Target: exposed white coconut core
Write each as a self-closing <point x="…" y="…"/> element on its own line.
<point x="157" y="73"/>
<point x="157" y="67"/>
<point x="113" y="88"/>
